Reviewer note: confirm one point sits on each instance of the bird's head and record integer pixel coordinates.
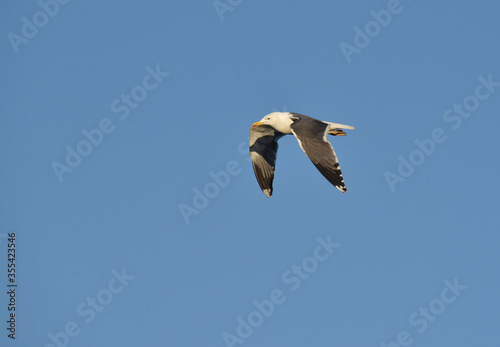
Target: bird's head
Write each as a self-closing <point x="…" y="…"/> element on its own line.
<point x="280" y="121"/>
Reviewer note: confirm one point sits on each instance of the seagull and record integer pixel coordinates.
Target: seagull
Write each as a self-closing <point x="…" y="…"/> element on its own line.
<point x="311" y="134"/>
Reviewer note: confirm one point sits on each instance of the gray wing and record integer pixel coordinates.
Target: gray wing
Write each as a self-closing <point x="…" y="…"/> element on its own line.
<point x="263" y="149"/>
<point x="311" y="135"/>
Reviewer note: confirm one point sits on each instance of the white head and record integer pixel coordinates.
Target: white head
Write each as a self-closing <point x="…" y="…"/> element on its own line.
<point x="280" y="121"/>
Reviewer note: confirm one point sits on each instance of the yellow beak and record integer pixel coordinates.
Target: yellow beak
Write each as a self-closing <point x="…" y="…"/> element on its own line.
<point x="257" y="124"/>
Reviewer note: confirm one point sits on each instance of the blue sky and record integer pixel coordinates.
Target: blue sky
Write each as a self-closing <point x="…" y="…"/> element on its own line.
<point x="117" y="116"/>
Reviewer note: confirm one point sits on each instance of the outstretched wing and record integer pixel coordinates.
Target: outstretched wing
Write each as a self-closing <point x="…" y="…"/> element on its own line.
<point x="311" y="135"/>
<point x="263" y="149"/>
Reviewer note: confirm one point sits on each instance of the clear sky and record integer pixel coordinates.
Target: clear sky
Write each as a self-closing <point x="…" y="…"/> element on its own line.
<point x="138" y="219"/>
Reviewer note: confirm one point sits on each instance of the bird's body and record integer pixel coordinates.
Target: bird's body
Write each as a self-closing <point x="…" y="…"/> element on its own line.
<point x="311" y="134"/>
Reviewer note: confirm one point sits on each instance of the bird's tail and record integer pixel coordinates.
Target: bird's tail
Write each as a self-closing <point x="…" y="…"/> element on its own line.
<point x="340" y="126"/>
<point x="335" y="129"/>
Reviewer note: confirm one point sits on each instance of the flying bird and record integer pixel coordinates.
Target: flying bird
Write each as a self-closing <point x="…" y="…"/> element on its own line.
<point x="311" y="134"/>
